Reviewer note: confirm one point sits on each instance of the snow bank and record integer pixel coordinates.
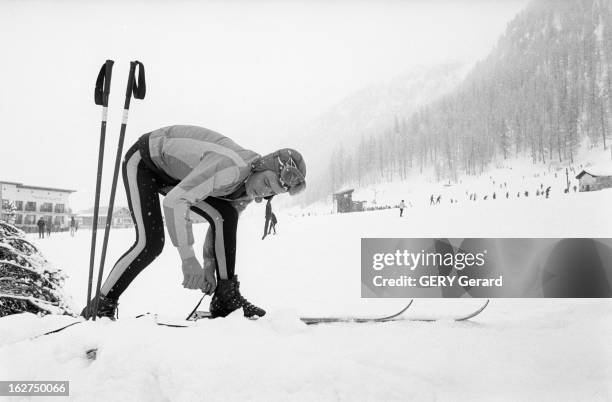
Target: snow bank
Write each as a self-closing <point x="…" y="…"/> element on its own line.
<point x="549" y="351"/>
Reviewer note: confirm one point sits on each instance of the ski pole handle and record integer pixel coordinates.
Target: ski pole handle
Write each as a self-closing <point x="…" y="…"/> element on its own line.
<point x="103" y="83"/>
<point x="138" y="87"/>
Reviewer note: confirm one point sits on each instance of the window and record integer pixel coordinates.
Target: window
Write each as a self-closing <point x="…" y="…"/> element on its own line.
<point x="30" y="206"/>
<point x="19" y="205"/>
<point x="18" y="219"/>
<point x="58" y="220"/>
<point x="30" y="219"/>
<point x="59" y="208"/>
<point x="6" y="204"/>
<point x="46" y="207"/>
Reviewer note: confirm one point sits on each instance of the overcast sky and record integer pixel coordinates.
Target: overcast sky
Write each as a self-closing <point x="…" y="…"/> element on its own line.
<point x="247" y="69"/>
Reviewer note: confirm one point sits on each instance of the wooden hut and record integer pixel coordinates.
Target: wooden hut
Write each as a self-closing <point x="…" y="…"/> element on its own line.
<point x="593" y="179"/>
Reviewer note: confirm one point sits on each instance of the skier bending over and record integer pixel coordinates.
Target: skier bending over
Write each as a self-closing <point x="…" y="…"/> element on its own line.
<point x="200" y="172"/>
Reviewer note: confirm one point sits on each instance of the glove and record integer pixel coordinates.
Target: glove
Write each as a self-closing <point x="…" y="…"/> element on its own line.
<point x="193" y="274"/>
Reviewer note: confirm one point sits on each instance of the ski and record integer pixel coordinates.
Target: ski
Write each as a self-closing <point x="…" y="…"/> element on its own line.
<point x="394" y="317"/>
<point x="330" y="320"/>
<point x="196" y="315"/>
<point x="456" y="319"/>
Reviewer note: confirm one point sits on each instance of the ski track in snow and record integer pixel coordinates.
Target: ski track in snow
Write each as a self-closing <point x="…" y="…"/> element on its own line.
<point x="536" y="349"/>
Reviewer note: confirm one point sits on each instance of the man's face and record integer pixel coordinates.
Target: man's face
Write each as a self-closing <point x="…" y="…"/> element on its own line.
<point x="263" y="184"/>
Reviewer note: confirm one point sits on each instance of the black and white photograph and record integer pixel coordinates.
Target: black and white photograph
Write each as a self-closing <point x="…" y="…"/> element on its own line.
<point x="346" y="200"/>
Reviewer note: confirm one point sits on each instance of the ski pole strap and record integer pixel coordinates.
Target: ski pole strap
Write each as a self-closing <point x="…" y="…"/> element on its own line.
<point x="103" y="82"/>
<point x="139" y="88"/>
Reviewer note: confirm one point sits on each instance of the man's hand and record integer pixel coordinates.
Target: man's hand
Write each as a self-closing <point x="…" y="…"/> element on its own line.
<point x="193" y="274"/>
<point x="210" y="282"/>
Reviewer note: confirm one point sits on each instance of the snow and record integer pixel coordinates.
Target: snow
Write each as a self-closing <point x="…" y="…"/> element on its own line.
<point x="599" y="32"/>
<point x="539" y="349"/>
<point x="598" y="170"/>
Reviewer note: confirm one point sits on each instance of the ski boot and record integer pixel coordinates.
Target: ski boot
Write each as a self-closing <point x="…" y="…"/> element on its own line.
<point x="106" y="308"/>
<point x="227" y="298"/>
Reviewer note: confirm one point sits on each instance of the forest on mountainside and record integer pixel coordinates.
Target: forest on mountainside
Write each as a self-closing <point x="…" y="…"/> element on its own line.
<point x="545" y="87"/>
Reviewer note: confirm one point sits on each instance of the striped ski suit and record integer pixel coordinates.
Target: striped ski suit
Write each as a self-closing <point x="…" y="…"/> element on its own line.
<point x="199" y="171"/>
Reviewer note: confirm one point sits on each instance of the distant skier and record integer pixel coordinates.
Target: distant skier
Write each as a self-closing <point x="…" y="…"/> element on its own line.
<point x="438" y="199"/>
<point x="402" y="205"/>
<point x="547" y="191"/>
<point x="49" y="226"/>
<point x="72" y="225"/>
<point x="273" y="222"/>
<point x="204" y="173"/>
<point x="41" y="228"/>
<point x="431" y="200"/>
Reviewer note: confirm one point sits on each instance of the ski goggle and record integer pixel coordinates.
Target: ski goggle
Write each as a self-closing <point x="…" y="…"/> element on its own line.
<point x="290" y="176"/>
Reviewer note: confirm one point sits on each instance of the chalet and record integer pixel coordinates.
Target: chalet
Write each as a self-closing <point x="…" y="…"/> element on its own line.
<point x="344" y="202"/>
<point x="593" y="178"/>
<point x="122" y="217"/>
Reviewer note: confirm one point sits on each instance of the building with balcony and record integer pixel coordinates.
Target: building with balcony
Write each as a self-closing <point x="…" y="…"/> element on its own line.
<point x="22" y="205"/>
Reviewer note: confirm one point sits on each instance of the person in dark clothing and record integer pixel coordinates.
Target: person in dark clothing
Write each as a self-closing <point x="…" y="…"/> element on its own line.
<point x="49" y="226"/>
<point x="201" y="172"/>
<point x="41" y="228"/>
<point x="402" y="205"/>
<point x="72" y="225"/>
<point x="273" y="223"/>
<point x="268" y="216"/>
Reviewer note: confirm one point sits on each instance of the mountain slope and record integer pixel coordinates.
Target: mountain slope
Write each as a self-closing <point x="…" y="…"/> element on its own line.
<point x="545" y="88"/>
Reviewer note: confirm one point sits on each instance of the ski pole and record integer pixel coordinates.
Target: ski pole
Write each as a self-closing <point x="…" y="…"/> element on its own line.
<point x="139" y="90"/>
<point x="101" y="94"/>
<point x="195" y="308"/>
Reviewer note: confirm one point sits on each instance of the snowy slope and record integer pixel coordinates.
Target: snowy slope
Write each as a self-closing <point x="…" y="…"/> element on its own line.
<point x="511" y="176"/>
<point x="517" y="349"/>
